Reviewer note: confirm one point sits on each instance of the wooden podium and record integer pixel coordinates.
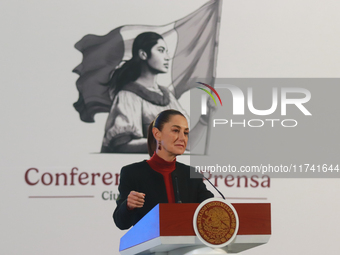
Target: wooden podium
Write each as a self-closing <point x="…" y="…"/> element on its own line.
<point x="168" y="230"/>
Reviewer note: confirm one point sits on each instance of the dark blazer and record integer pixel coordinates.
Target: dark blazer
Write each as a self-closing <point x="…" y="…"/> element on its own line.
<point x="141" y="177"/>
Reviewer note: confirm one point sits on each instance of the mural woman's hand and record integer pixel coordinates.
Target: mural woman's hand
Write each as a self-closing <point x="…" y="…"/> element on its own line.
<point x="204" y="119"/>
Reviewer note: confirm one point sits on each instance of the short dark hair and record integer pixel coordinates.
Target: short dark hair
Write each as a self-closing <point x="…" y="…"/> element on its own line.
<point x="161" y="119"/>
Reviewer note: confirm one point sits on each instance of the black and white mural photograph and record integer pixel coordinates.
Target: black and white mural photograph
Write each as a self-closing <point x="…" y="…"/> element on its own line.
<point x="119" y="74"/>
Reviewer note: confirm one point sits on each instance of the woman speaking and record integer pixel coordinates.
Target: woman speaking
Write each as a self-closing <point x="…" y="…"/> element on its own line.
<point x="145" y="184"/>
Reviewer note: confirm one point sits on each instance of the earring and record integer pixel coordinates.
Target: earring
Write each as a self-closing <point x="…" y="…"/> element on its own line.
<point x="159" y="145"/>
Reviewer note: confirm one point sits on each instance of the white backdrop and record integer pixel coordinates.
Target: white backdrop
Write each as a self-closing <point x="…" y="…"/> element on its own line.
<point x="41" y="129"/>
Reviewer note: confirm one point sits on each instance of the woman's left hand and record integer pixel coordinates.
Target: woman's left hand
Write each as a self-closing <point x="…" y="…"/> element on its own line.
<point x="204" y="119"/>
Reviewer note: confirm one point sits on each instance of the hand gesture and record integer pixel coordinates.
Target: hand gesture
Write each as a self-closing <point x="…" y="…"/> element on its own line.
<point x="135" y="200"/>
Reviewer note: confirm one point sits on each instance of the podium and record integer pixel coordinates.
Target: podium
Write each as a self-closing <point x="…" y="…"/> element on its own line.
<point x="168" y="230"/>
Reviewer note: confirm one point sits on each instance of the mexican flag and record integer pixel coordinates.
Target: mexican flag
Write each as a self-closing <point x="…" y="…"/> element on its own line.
<point x="192" y="46"/>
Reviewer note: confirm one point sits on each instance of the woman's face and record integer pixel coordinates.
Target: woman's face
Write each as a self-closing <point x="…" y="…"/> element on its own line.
<point x="174" y="135"/>
<point x="159" y="59"/>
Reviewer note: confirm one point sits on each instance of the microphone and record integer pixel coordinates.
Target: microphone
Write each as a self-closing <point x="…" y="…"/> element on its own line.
<point x="177" y="190"/>
<point x="213" y="186"/>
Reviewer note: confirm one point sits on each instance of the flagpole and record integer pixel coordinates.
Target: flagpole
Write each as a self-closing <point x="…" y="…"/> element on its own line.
<point x="218" y="23"/>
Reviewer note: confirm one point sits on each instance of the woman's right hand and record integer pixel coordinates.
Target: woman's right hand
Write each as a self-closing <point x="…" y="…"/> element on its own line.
<point x="135" y="200"/>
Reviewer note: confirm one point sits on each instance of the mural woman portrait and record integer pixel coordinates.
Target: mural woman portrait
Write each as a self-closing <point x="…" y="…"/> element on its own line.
<point x="138" y="98"/>
<point x="119" y="71"/>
